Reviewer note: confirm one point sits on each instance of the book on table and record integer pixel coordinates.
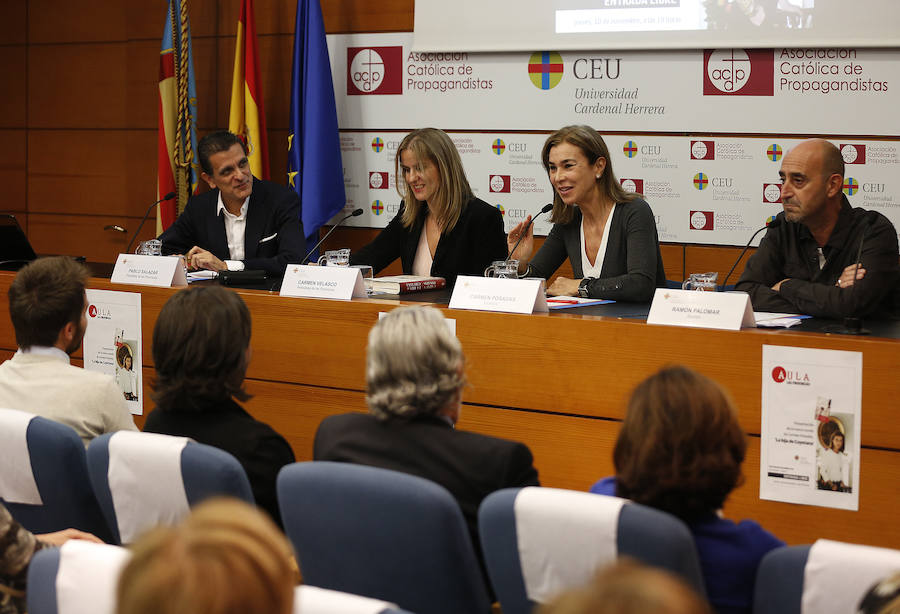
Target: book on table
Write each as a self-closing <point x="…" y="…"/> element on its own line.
<point x="405" y="284"/>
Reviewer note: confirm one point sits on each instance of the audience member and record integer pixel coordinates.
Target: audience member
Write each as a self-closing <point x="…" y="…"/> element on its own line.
<point x="47" y="305"/>
<point x="680" y="450"/>
<point x="201" y="349"/>
<point x="883" y="598"/>
<point x="17" y="547"/>
<point x="414" y="381"/>
<point x="627" y="587"/>
<point x="226" y="558"/>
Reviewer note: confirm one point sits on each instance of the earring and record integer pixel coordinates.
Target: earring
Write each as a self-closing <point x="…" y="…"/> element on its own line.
<point x="596" y="176"/>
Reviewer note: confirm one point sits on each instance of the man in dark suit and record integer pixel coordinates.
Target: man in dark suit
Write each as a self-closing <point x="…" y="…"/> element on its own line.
<point x="414" y="380"/>
<point x="243" y="222"/>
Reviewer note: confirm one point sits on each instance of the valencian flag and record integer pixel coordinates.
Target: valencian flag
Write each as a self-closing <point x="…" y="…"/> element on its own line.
<point x="247" y="118"/>
<point x="178" y="165"/>
<point x="314" y="151"/>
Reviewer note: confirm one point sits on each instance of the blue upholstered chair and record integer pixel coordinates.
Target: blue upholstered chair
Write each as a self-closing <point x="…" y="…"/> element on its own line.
<point x="59" y="470"/>
<point x="315" y="600"/>
<point x="381" y="534"/>
<point x="648" y="535"/>
<point x="188" y="473"/>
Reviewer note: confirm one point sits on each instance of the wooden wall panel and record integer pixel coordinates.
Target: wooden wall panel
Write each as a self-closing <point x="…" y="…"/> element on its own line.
<point x="272" y="17"/>
<point x="83" y="235"/>
<point x="701" y="258"/>
<point x="14" y="25"/>
<point x="145" y="20"/>
<point x="367" y="16"/>
<point x="13" y="170"/>
<point x="51" y="21"/>
<point x="13" y="75"/>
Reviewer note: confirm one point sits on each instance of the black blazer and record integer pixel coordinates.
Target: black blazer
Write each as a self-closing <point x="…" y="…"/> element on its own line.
<point x="632" y="266"/>
<point x="469" y="465"/>
<point x="475" y="242"/>
<point x="258" y="448"/>
<point x="273" y="235"/>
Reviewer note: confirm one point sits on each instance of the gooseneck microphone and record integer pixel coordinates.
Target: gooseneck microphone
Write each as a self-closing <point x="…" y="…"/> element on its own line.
<point x="355" y="213"/>
<point x="544" y="209"/>
<point x="168" y="196"/>
<point x="771" y="224"/>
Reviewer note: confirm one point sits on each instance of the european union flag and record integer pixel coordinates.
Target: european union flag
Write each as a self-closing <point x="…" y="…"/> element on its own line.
<point x="315" y="169"/>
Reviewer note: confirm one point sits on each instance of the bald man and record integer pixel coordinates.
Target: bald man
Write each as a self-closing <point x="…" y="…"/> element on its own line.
<point x="807" y="261"/>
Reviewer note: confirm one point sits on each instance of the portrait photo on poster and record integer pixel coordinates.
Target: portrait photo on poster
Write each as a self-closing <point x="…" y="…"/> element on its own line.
<point x="833" y="462"/>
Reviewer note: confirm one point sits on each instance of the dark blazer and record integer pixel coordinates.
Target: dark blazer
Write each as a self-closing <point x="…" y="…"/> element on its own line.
<point x="469" y="465"/>
<point x="273" y="236"/>
<point x="259" y="449"/>
<point x="632" y="267"/>
<point x="475" y="242"/>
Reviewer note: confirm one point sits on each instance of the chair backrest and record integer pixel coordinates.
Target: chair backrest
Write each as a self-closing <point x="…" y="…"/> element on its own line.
<point x="315" y="600"/>
<point x="79" y="578"/>
<point x="382" y="534"/>
<point x="826" y="578"/>
<point x="55" y="459"/>
<point x="588" y="531"/>
<point x="143" y="480"/>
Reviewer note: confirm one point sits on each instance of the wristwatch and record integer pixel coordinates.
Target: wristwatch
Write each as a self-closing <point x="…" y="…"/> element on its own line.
<point x="583" y="288"/>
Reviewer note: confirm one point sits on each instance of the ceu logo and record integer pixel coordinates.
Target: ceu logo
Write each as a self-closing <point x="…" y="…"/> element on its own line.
<point x="92" y="311"/>
<point x="498" y="147"/>
<point x="501" y="209"/>
<point x="377" y="144"/>
<point x="632" y="185"/>
<point x="703" y="150"/>
<point x="701" y="181"/>
<point x="779" y="374"/>
<point x="739" y="72"/>
<point x="774" y="152"/>
<point x="771" y="193"/>
<point x="850" y="187"/>
<point x="629" y="149"/>
<point x="377" y="207"/>
<point x="499" y="183"/>
<point x="374" y="70"/>
<point x="378" y="180"/>
<point x="702" y="220"/>
<point x="853" y="154"/>
<point x="545" y="69"/>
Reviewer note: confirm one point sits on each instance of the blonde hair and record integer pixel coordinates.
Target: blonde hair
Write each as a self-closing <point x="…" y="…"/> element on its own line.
<point x="226" y="558"/>
<point x="452" y="195"/>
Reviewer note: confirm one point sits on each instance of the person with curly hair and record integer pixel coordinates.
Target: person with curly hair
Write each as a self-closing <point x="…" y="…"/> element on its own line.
<point x="680" y="451"/>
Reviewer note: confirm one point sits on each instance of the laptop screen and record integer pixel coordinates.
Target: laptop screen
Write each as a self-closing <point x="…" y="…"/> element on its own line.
<point x="14" y="244"/>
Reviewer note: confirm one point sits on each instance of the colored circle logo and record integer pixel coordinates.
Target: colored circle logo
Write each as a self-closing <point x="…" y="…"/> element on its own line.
<point x="779" y="374"/>
<point x="701" y="181"/>
<point x="498" y="147"/>
<point x="774" y="152"/>
<point x="851" y="186"/>
<point x="502" y="210"/>
<point x="629" y="149"/>
<point x="545" y="69"/>
<point x="728" y="69"/>
<point x="377" y="144"/>
<point x="92" y="311"/>
<point x="377" y="207"/>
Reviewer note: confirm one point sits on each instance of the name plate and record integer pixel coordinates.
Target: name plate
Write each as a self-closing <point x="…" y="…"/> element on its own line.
<point x="497" y="294"/>
<point x="161" y="271"/>
<point x="307" y="281"/>
<point x="721" y="310"/>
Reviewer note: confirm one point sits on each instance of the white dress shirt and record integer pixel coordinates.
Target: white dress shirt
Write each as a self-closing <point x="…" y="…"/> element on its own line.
<point x="235" y="227"/>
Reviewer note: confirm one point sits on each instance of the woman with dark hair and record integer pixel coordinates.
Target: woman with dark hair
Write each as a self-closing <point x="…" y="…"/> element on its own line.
<point x="608" y="234"/>
<point x="201" y="349"/>
<point x="680" y="450"/>
<point x="441" y="229"/>
<point x="833" y="464"/>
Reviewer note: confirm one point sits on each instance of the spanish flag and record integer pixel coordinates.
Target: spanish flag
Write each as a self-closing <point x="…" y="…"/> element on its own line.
<point x="247" y="118"/>
<point x="178" y="167"/>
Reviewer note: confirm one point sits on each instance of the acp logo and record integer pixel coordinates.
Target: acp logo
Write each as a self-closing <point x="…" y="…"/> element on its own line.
<point x="703" y="150"/>
<point x="545" y="69"/>
<point x="702" y="220"/>
<point x="774" y="152"/>
<point x="853" y="154"/>
<point x="633" y="185"/>
<point x="378" y="180"/>
<point x="772" y="193"/>
<point x="499" y="183"/>
<point x="850" y="187"/>
<point x="374" y="70"/>
<point x="739" y="72"/>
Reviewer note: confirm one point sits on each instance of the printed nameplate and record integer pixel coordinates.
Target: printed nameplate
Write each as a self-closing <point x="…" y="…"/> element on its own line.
<point x="497" y="294"/>
<point x="161" y="271"/>
<point x="340" y="282"/>
<point x="722" y="310"/>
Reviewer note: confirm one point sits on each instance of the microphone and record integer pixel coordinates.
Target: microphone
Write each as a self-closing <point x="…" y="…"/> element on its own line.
<point x="168" y="196"/>
<point x="355" y="213"/>
<point x="771" y="224"/>
<point x="544" y="209"/>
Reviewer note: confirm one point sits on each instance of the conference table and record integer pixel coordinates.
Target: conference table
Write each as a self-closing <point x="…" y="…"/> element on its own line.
<point x="558" y="382"/>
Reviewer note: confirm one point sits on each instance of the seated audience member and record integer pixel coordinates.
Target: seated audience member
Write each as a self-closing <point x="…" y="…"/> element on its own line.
<point x="243" y="222"/>
<point x="47" y="305"/>
<point x="414" y="380"/>
<point x="807" y="260"/>
<point x="201" y="349"/>
<point x="226" y="558"/>
<point x="628" y="587"/>
<point x="883" y="597"/>
<point x="608" y="234"/>
<point x="17" y="547"/>
<point x="441" y="229"/>
<point x="680" y="450"/>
